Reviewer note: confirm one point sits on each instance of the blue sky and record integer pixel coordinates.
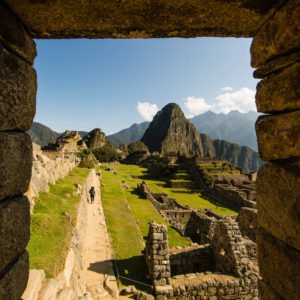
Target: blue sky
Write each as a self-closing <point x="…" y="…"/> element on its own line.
<point x="111" y="84"/>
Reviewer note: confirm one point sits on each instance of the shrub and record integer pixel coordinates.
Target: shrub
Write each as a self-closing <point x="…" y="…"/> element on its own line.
<point x="137" y="147"/>
<point x="106" y="153"/>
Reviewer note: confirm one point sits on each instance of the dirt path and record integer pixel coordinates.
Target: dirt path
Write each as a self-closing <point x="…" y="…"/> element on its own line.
<point x="100" y="279"/>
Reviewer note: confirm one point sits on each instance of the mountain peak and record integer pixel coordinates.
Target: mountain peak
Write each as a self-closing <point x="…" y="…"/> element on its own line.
<point x="171" y="132"/>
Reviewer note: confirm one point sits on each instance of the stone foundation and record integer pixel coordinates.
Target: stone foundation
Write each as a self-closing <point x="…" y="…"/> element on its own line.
<point x="191" y="259"/>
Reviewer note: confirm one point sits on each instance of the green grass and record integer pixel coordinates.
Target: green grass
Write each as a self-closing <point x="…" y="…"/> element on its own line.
<point x="50" y="228"/>
<point x="128" y="218"/>
<point x="185" y="196"/>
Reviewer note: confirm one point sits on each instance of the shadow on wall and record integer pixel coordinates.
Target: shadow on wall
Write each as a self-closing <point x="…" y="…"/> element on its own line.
<point x="130" y="270"/>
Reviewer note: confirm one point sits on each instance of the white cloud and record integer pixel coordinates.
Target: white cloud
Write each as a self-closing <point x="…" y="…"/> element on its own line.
<point x="196" y="106"/>
<point x="147" y="110"/>
<point x="242" y="100"/>
<point x="227" y="89"/>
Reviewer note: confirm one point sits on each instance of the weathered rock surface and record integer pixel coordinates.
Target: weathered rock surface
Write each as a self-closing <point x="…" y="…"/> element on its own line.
<point x="14" y="229"/>
<point x="278" y="202"/>
<point x="271" y="40"/>
<point x="14" y="281"/>
<point x="279" y="136"/>
<point x="247" y="220"/>
<point x="17" y="92"/>
<point x="95" y="139"/>
<point x="142" y="19"/>
<point x="20" y="41"/>
<point x="265" y="292"/>
<point x="171" y="132"/>
<point x="15" y="170"/>
<point x="280" y="91"/>
<point x="277" y="258"/>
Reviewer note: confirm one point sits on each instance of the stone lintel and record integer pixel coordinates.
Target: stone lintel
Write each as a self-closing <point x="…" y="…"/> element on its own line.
<point x="14" y="36"/>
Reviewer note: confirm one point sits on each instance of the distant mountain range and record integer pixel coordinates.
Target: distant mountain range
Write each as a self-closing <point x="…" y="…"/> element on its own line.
<point x="41" y="134"/>
<point x="128" y="135"/>
<point x="228" y="136"/>
<point x="234" y="127"/>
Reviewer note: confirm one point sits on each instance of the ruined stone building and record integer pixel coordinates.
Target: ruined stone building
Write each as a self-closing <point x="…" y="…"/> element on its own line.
<point x="274" y="27"/>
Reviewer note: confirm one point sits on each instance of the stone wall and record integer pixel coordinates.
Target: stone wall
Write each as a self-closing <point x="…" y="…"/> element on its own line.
<point x="209" y="286"/>
<point x="191" y="259"/>
<point x="275" y="55"/>
<point x="235" y="273"/>
<point x="70" y="283"/>
<point x="247" y="220"/>
<point x="200" y="228"/>
<point x="17" y="109"/>
<point x="53" y="154"/>
<point x="236" y="196"/>
<point x="157" y="258"/>
<point x="45" y="171"/>
<point x="195" y="224"/>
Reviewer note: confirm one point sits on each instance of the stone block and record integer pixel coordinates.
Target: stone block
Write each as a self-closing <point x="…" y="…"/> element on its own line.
<point x="277" y="36"/>
<point x="247" y="220"/>
<point x="35" y="282"/>
<point x="17" y="92"/>
<point x="278" y="201"/>
<point x="15" y="163"/>
<point x="14" y="281"/>
<point x="278" y="136"/>
<point x="14" y="229"/>
<point x="266" y="293"/>
<point x="280" y="91"/>
<point x="14" y="36"/>
<point x="279" y="265"/>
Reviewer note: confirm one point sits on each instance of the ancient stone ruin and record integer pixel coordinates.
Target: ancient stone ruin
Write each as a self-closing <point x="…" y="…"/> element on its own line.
<point x="221" y="269"/>
<point x="274" y="27"/>
<point x="222" y="261"/>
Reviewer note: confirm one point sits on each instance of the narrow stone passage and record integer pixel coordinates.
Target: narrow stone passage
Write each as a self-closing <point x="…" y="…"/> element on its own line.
<point x="100" y="280"/>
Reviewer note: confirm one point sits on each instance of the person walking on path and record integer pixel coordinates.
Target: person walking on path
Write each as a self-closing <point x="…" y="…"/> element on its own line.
<point x="92" y="194"/>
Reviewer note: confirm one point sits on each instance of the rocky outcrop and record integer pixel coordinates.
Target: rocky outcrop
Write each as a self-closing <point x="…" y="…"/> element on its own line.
<point x="95" y="139"/>
<point x="45" y="171"/>
<point x="128" y="135"/>
<point x="170" y="132"/>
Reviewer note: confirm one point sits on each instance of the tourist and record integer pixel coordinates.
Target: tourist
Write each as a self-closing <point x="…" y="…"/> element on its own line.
<point x="92" y="194"/>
